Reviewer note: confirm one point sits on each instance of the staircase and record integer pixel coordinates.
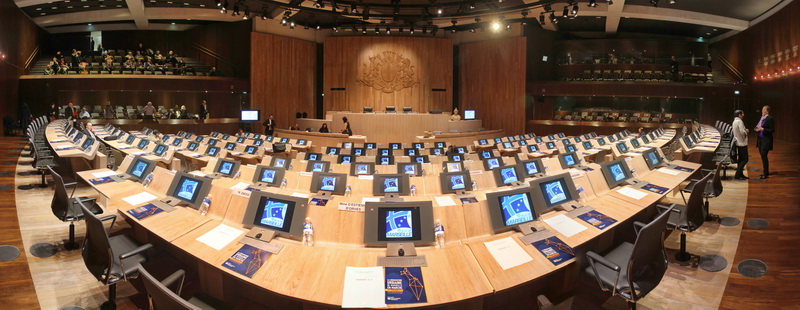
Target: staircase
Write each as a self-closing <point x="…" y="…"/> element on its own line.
<point x="719" y="76"/>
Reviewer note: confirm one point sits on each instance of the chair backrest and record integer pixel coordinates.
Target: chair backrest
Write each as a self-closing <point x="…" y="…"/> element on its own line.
<point x="160" y="296"/>
<point x="695" y="214"/>
<point x="60" y="203"/>
<point x="648" y="262"/>
<point x="714" y="187"/>
<point x="97" y="253"/>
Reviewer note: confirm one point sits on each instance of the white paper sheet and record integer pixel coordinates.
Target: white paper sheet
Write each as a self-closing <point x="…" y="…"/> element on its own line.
<point x="240" y="185"/>
<point x="445" y="201"/>
<point x="370" y="199"/>
<point x="104" y="174"/>
<point x="668" y="171"/>
<point x="565" y="225"/>
<point x="632" y="193"/>
<point x="363" y="288"/>
<point x="301" y="195"/>
<point x="220" y="236"/>
<point x="507" y="253"/>
<point x="139" y="198"/>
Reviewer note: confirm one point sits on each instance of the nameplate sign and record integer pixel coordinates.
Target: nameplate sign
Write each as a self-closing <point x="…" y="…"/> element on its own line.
<point x="306" y="174"/>
<point x="243" y="193"/>
<point x="352" y="206"/>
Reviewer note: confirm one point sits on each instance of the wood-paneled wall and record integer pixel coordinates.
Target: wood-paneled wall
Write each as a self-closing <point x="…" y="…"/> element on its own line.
<point x="492" y="81"/>
<point x="348" y="58"/>
<point x="282" y="77"/>
<point x="19" y="37"/>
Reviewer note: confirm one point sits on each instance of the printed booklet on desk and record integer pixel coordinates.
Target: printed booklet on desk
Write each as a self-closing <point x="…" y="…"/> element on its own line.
<point x="144" y="211"/>
<point x="466" y="200"/>
<point x="655" y="188"/>
<point x="247" y="260"/>
<point x="554" y="249"/>
<point x="597" y="219"/>
<point x="102" y="180"/>
<point x="404" y="285"/>
<point x="684" y="169"/>
<point x="318" y="202"/>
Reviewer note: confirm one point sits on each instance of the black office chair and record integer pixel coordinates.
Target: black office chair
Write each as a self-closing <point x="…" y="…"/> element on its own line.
<point x="42" y="161"/>
<point x="101" y="254"/>
<point x="689" y="217"/>
<point x="66" y="208"/>
<point x="633" y="270"/>
<point x="712" y="189"/>
<point x="160" y="297"/>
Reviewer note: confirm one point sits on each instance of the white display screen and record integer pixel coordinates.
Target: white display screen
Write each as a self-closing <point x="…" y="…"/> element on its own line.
<point x="469" y="114"/>
<point x="250" y="115"/>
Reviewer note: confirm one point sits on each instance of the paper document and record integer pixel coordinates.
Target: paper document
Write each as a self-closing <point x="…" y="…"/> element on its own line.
<point x="240" y="185"/>
<point x="668" y="171"/>
<point x="445" y="201"/>
<point x="139" y="198"/>
<point x="565" y="225"/>
<point x="363" y="288"/>
<point x="300" y="195"/>
<point x="104" y="174"/>
<point x="220" y="236"/>
<point x="507" y="253"/>
<point x="632" y="193"/>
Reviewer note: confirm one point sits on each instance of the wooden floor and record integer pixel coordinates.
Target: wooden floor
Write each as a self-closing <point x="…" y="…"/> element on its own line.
<point x="62" y="280"/>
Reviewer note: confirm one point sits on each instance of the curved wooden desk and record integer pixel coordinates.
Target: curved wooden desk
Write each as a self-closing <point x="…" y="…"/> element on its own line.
<point x="463" y="272"/>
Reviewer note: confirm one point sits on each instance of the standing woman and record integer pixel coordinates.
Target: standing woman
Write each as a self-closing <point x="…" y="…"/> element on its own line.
<point x="347" y="129"/>
<point x="765" y="129"/>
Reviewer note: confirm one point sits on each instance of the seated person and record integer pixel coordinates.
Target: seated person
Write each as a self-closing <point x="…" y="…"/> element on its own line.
<point x="84" y="114"/>
<point x="129" y="64"/>
<point x="52" y="67"/>
<point x="172" y="58"/>
<point x="129" y="56"/>
<point x="82" y="66"/>
<point x="108" y="65"/>
<point x="324" y="128"/>
<point x="172" y="114"/>
<point x="295" y="127"/>
<point x="213" y="72"/>
<point x="159" y="59"/>
<point x="63" y="67"/>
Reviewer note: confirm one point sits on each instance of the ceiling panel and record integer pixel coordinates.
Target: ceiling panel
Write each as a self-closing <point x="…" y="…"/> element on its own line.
<point x="582" y="23"/>
<point x="739" y="9"/>
<point x="637" y="25"/>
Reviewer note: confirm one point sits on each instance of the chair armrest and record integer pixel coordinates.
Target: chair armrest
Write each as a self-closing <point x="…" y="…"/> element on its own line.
<point x="70" y="183"/>
<point x="594" y="257"/>
<point x="543" y="302"/>
<point x="637" y="226"/>
<point x="108" y="217"/>
<point x="177" y="275"/>
<point x="135" y="251"/>
<point x="662" y="208"/>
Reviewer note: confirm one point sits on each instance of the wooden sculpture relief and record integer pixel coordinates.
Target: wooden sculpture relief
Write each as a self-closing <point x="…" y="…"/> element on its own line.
<point x="388" y="72"/>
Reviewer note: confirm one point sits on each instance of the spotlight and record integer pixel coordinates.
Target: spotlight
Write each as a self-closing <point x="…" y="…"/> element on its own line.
<point x="671" y="1"/>
<point x="335" y="29"/>
<point x="592" y="3"/>
<point x="472" y="5"/>
<point x="364" y="30"/>
<point x="388" y="30"/>
<point x="565" y="14"/>
<point x="291" y="25"/>
<point x="439" y="11"/>
<point x="319" y="4"/>
<point x="575" y="10"/>
<point x="508" y="27"/>
<point x="654" y="3"/>
<point x="411" y="31"/>
<point x="553" y="18"/>
<point x="377" y="30"/>
<point x="354" y="9"/>
<point x="218" y="2"/>
<point x="495" y="26"/>
<point x="246" y="13"/>
<point x="318" y="27"/>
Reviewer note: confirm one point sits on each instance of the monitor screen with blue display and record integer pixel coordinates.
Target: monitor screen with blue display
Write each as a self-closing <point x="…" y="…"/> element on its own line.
<point x="240" y="140"/>
<point x="230" y="146"/>
<point x="551" y="145"/>
<point x="327" y="183"/>
<point x="410" y="169"/>
<point x="522" y="142"/>
<point x="384" y="160"/>
<point x="395" y="146"/>
<point x="555" y="192"/>
<point x="455" y="157"/>
<point x="531" y="167"/>
<point x="87" y="143"/>
<point x="498" y="140"/>
<point x="281" y="214"/>
<point x="568" y="160"/>
<point x="177" y="142"/>
<point x="358" y="151"/>
<point x="397" y="222"/>
<point x="420" y="159"/>
<point x="143" y="144"/>
<point x="139" y="167"/>
<point x="251" y="150"/>
<point x="437" y="151"/>
<point x="280" y="162"/>
<point x="635" y="143"/>
<point x="313" y="156"/>
<point x="198" y="139"/>
<point x="611" y="138"/>
<point x="284" y="140"/>
<point x="225" y="168"/>
<point x="363" y="169"/>
<point x="615" y="172"/>
<point x="212" y="142"/>
<point x="587" y="145"/>
<point x="333" y="150"/>
<point x="483" y="142"/>
<point x="538" y="139"/>
<point x="486" y="154"/>
<point x="267" y="176"/>
<point x="383" y="184"/>
<point x="533" y="148"/>
<point x="160" y="148"/>
<point x="492" y="163"/>
<point x="601" y="141"/>
<point x="187" y="189"/>
<point x="516" y="208"/>
<point x="391" y="185"/>
<point x="258" y="142"/>
<point x="453" y="182"/>
<point x="652" y="158"/>
<point x="622" y="147"/>
<point x="192" y="146"/>
<point x="301" y="142"/>
<point x="570" y="148"/>
<point x="418" y="145"/>
<point x="506" y="175"/>
<point x="508" y="145"/>
<point x="645" y="139"/>
<point x="411" y="152"/>
<point x="384" y="152"/>
<point x="274" y="214"/>
<point x="469" y="114"/>
<point x="212" y="151"/>
<point x="370" y="146"/>
<point x="344" y="159"/>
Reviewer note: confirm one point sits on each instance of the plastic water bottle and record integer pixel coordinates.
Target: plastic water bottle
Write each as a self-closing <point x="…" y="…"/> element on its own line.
<point x="438" y="232"/>
<point x="308" y="233"/>
<point x="347" y="191"/>
<point x="413" y="190"/>
<point x="283" y="184"/>
<point x="205" y="205"/>
<point x="238" y="173"/>
<point x="147" y="180"/>
<point x="474" y="186"/>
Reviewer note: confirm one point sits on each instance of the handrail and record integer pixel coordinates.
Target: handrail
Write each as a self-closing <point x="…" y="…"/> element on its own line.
<point x="30" y="59"/>
<point x="735" y="72"/>
<point x="214" y="55"/>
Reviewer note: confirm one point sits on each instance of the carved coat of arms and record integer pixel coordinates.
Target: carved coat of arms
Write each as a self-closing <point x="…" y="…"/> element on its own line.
<point x="388" y="72"/>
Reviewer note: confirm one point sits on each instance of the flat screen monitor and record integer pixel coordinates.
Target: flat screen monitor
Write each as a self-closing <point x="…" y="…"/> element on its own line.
<point x="300" y="142"/>
<point x="317" y="166"/>
<point x="511" y="138"/>
<point x="469" y="114"/>
<point x="165" y="138"/>
<point x="652" y="158"/>
<point x="284" y="140"/>
<point x="391" y="184"/>
<point x="212" y="151"/>
<point x="492" y="163"/>
<point x="652" y="136"/>
<point x="270" y="138"/>
<point x="332" y="150"/>
<point x="635" y="143"/>
<point x="551" y="145"/>
<point x="256" y="136"/>
<point x="410" y="169"/>
<point x="622" y="147"/>
<point x="645" y="139"/>
<point x="453" y="166"/>
<point x="533" y="148"/>
<point x="269" y="175"/>
<point x="498" y="140"/>
<point x="587" y="136"/>
<point x="347" y="145"/>
<point x="694" y="137"/>
<point x="594" y="134"/>
<point x="455" y="182"/>
<point x="577" y="139"/>
<point x="87" y="144"/>
<point x="384" y="160"/>
<point x="418" y="145"/>
<point x="565" y="142"/>
<point x="250" y="115"/>
<point x="313" y="156"/>
<point x="485" y="154"/>
<point x="212" y="142"/>
<point x="384" y="151"/>
<point x="420" y="159"/>
<point x="192" y="146"/>
<point x="344" y="159"/>
<point x="390" y="109"/>
<point x="181" y="133"/>
<point x="461" y="150"/>
<point x="550" y="192"/>
<point x="189" y="188"/>
<point x="215" y="134"/>
<point x="522" y="143"/>
<point x="531" y="167"/>
<point x="587" y="145"/>
<point x="160" y="149"/>
<point x="143" y="144"/>
<point x="538" y="139"/>
<point x="358" y="151"/>
<point x="330" y="182"/>
<point x="508" y="145"/>
<point x="687" y="141"/>
<point x="568" y="160"/>
<point x="370" y="146"/>
<point x="615" y="172"/>
<point x="618" y="135"/>
<point x="358" y="169"/>
<point x="455" y="157"/>
<point x="436" y="151"/>
<point x="251" y="150"/>
<point x="281" y="162"/>
<point x="398" y="222"/>
<point x="79" y="136"/>
<point x="510" y="208"/>
<point x="227" y="167"/>
<point x="601" y="141"/>
<point x="611" y="138"/>
<point x="507" y="175"/>
<point x="240" y="139"/>
<point x="198" y="139"/>
<point x="396" y="146"/>
<point x="411" y="152"/>
<point x="140" y="168"/>
<point x="440" y="144"/>
<point x="571" y="148"/>
<point x="282" y="214"/>
<point x="560" y="134"/>
<point x="230" y="146"/>
<point x="188" y="135"/>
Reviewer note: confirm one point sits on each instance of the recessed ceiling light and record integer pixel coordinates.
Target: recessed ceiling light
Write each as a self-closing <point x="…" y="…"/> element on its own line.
<point x="173" y="23"/>
<point x="202" y="5"/>
<point x="86" y="6"/>
<point x="38" y="9"/>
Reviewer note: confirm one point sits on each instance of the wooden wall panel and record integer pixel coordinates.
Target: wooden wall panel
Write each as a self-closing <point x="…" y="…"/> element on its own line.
<point x="19" y="37"/>
<point x="492" y="81"/>
<point x="282" y="78"/>
<point x="347" y="58"/>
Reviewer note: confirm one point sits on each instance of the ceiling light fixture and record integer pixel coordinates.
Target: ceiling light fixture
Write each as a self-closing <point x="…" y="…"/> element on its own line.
<point x="592" y="3"/>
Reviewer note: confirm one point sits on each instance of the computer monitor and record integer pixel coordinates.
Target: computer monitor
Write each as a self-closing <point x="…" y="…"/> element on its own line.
<point x="281" y="214"/>
<point x="455" y="182"/>
<point x="455" y="157"/>
<point x="418" y="145"/>
<point x="332" y="150"/>
<point x="160" y="149"/>
<point x="645" y="139"/>
<point x="587" y="145"/>
<point x="439" y="144"/>
<point x="453" y="166"/>
<point x="284" y="140"/>
<point x="181" y="133"/>
<point x="87" y="144"/>
<point x="615" y="172"/>
<point x="485" y="154"/>
<point x="538" y="139"/>
<point x="407" y="109"/>
<point x="328" y="182"/>
<point x="367" y="109"/>
<point x="270" y="138"/>
<point x="568" y="160"/>
<point x="78" y="137"/>
<point x="212" y="151"/>
<point x="576" y="139"/>
<point x="198" y="139"/>
<point x="370" y="145"/>
<point x="251" y="150"/>
<point x="587" y="136"/>
<point x="398" y="222"/>
<point x="385" y="151"/>
<point x="622" y="147"/>
<point x="565" y="142"/>
<point x="510" y="208"/>
<point x="189" y="188"/>
<point x="358" y="151"/>
<point x="522" y="143"/>
<point x="635" y="143"/>
<point x="390" y="109"/>
<point x="507" y="175"/>
<point x="192" y="146"/>
<point x="553" y="191"/>
<point x="215" y="134"/>
<point x="551" y="145"/>
<point x="317" y="166"/>
<point x="461" y="150"/>
<point x="508" y="145"/>
<point x="188" y="135"/>
<point x="436" y="151"/>
<point x="250" y="115"/>
<point x="531" y="167"/>
<point x="391" y="184"/>
<point x="653" y="136"/>
<point x="601" y="141"/>
<point x="560" y="134"/>
<point x="300" y="142"/>
<point x="360" y="168"/>
<point x="611" y="138"/>
<point x="469" y="114"/>
<point x="498" y="140"/>
<point x="492" y="163"/>
<point x="313" y="156"/>
<point x="570" y="148"/>
<point x="212" y="142"/>
<point x="142" y="144"/>
<point x="594" y="134"/>
<point x="618" y="135"/>
<point x="411" y="169"/>
<point x="227" y="167"/>
<point x="411" y="152"/>
<point x="687" y="141"/>
<point x="344" y="159"/>
<point x="165" y="138"/>
<point x="652" y="158"/>
<point x="347" y="145"/>
<point x="240" y="139"/>
<point x="384" y="160"/>
<point x="511" y="138"/>
<point x="533" y="148"/>
<point x="396" y="146"/>
<point x="281" y="162"/>
<point x="140" y="168"/>
<point x="230" y="146"/>
<point x="271" y="176"/>
<point x="420" y="159"/>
